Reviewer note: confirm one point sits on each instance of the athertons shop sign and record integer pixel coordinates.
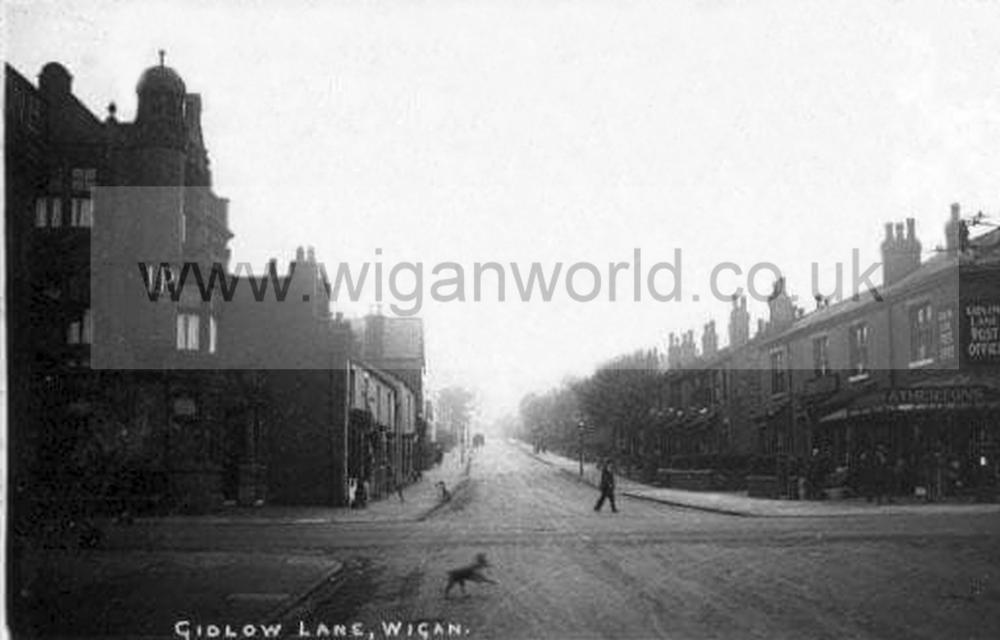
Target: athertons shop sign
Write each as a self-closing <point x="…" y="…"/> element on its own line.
<point x="936" y="396"/>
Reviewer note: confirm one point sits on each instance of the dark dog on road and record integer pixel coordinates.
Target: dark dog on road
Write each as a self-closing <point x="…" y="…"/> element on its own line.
<point x="470" y="573"/>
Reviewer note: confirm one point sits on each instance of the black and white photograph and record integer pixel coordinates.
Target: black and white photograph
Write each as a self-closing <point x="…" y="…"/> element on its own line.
<point x="501" y="319"/>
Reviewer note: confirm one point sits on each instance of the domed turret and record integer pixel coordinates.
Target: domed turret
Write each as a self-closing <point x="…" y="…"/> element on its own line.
<point x="55" y="80"/>
<point x="160" y="79"/>
<point x="160" y="115"/>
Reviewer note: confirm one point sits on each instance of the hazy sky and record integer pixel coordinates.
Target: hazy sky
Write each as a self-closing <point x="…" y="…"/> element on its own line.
<point x="786" y="132"/>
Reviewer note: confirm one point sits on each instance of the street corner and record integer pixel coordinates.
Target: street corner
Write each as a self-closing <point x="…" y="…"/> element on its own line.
<point x="320" y="572"/>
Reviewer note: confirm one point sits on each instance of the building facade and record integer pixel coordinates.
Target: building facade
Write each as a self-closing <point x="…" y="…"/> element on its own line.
<point x="144" y="375"/>
<point x="122" y="421"/>
<point x="910" y="370"/>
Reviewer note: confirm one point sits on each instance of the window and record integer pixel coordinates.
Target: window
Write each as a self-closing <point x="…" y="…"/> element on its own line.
<point x="921" y="335"/>
<point x="48" y="212"/>
<point x="183" y="227"/>
<point x="187" y="331"/>
<point x="73" y="332"/>
<point x="42" y="213"/>
<point x="213" y="334"/>
<point x="821" y="356"/>
<point x="779" y="378"/>
<point x="55" y="209"/>
<point x="81" y="212"/>
<point x="159" y="278"/>
<point x="860" y="335"/>
<point x="87" y="332"/>
<point x="84" y="179"/>
<point x="81" y="331"/>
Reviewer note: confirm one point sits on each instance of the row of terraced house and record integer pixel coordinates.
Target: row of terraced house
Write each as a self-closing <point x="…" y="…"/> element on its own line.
<point x="911" y="368"/>
<point x="131" y="392"/>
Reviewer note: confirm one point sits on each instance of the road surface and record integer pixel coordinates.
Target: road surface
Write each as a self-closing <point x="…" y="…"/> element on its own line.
<point x="649" y="571"/>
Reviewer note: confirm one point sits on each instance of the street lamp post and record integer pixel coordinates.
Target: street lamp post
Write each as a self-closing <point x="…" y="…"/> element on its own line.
<point x="579" y="431"/>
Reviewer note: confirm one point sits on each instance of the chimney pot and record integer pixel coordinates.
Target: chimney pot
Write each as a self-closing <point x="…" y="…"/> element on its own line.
<point x="888" y="232"/>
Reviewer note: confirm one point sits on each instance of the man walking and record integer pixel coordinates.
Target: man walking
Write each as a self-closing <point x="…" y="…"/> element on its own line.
<point x="607" y="487"/>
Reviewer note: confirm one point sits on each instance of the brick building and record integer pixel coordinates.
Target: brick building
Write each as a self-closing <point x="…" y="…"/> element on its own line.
<point x="119" y="420"/>
<point x="144" y="374"/>
<point x="396" y="345"/>
<point x="913" y="367"/>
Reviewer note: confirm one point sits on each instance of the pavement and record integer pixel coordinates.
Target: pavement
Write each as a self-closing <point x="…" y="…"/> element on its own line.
<point x="739" y="504"/>
<point x="116" y="590"/>
<point x="419" y="500"/>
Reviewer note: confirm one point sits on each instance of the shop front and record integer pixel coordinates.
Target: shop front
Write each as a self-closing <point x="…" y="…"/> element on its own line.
<point x="936" y="441"/>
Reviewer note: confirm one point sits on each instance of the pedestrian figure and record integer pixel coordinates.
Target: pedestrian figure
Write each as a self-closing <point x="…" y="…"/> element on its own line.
<point x="607" y="487"/>
<point x="866" y="474"/>
<point x="900" y="481"/>
<point x="352" y="492"/>
<point x="445" y="494"/>
<point x="361" y="495"/>
<point x="394" y="484"/>
<point x="882" y="472"/>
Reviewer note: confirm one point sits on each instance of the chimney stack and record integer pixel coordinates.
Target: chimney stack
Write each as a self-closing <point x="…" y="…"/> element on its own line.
<point x="739" y="322"/>
<point x="709" y="339"/>
<point x="952" y="230"/>
<point x="900" y="251"/>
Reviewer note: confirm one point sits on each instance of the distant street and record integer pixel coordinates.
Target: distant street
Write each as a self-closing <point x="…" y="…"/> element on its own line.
<point x="657" y="571"/>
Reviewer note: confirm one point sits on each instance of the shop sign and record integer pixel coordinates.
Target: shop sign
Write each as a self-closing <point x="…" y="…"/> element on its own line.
<point x="946" y="334"/>
<point x="981" y="324"/>
<point x="935" y="395"/>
